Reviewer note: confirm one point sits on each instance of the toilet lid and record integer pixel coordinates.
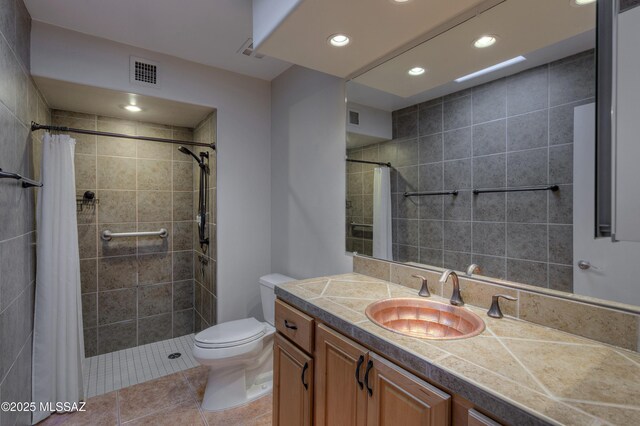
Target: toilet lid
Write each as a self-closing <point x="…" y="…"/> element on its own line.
<point x="231" y="333"/>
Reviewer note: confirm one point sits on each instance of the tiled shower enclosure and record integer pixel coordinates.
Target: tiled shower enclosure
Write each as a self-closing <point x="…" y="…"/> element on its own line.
<point x="138" y="290"/>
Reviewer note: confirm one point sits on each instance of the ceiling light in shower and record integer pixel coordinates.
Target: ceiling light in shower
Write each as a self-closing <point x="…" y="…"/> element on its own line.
<point x="339" y="40"/>
<point x="485" y="41"/>
<point x="132" y="108"/>
<point x="416" y="71"/>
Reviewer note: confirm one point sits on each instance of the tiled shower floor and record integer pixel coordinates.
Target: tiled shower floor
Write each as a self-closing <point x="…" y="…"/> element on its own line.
<point x="117" y="370"/>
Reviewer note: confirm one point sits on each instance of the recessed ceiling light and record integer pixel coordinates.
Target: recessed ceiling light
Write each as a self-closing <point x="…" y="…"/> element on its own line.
<point x="339" y="40"/>
<point x="132" y="108"/>
<point x="485" y="41"/>
<point x="581" y="2"/>
<point x="416" y="71"/>
<point x="491" y="69"/>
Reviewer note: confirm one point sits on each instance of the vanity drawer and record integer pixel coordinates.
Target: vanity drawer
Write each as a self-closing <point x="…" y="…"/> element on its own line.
<point x="295" y="325"/>
<point x="478" y="419"/>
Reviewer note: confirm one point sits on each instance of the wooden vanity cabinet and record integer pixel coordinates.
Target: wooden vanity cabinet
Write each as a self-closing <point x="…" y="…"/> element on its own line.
<point x="397" y="397"/>
<point x="357" y="387"/>
<point x="340" y="397"/>
<point x="292" y="384"/>
<point x="324" y="378"/>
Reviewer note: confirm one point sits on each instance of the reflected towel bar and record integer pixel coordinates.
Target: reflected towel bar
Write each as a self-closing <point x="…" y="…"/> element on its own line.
<point x="420" y="194"/>
<point x="366" y="225"/>
<point x="521" y="189"/>
<point x="26" y="183"/>
<point x="349" y="160"/>
<point x="108" y="235"/>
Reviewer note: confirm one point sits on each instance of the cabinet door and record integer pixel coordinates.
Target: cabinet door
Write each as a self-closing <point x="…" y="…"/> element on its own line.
<point x="292" y="384"/>
<point x="340" y="396"/>
<point x="397" y="397"/>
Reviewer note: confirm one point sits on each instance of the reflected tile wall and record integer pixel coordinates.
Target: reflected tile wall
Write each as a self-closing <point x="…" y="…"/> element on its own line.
<point x="204" y="256"/>
<point x="134" y="290"/>
<point x="515" y="131"/>
<point x="20" y="103"/>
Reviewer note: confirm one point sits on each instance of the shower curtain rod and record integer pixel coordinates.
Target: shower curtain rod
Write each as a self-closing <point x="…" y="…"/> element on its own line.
<point x="35" y="126"/>
<point x="369" y="162"/>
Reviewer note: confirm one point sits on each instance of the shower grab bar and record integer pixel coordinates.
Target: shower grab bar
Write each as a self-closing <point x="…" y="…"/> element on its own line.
<point x="108" y="235"/>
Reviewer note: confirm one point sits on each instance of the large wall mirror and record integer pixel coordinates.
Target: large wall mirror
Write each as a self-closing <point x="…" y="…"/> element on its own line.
<point x="477" y="146"/>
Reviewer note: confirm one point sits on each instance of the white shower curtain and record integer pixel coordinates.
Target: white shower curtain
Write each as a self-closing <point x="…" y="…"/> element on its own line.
<point x="58" y="345"/>
<point x="382" y="234"/>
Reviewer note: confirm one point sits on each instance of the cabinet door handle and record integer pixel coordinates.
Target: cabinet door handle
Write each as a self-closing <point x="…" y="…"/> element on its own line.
<point x="290" y="326"/>
<point x="366" y="377"/>
<point x="304" y="370"/>
<point x="360" y="361"/>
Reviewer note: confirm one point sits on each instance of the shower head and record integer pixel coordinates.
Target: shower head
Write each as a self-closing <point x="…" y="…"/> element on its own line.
<point x="184" y="150"/>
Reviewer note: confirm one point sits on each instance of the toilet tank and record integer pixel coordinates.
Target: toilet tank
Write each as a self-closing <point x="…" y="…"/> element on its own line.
<point x="268" y="295"/>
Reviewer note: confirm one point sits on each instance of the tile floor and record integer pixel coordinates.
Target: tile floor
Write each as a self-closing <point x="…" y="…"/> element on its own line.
<point x="170" y="400"/>
<point x="116" y="370"/>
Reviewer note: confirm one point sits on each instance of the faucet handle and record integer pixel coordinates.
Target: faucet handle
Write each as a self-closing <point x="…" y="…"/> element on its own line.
<point x="494" y="311"/>
<point x="473" y="268"/>
<point x="424" y="290"/>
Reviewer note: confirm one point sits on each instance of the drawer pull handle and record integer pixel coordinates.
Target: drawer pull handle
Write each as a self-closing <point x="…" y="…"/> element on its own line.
<point x="360" y="361"/>
<point x="366" y="377"/>
<point x="304" y="370"/>
<point x="290" y="326"/>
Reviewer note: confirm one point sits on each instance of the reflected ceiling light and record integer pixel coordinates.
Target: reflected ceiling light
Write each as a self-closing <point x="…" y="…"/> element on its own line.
<point x="132" y="108"/>
<point x="416" y="71"/>
<point x="581" y="2"/>
<point x="338" y="40"/>
<point x="399" y="1"/>
<point x="491" y="69"/>
<point x="485" y="41"/>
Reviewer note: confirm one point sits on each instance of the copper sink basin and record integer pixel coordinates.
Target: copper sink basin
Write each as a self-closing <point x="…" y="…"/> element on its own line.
<point x="426" y="319"/>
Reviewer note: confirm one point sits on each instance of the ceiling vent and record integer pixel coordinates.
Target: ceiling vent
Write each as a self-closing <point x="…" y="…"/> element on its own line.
<point x="247" y="50"/>
<point x="354" y="117"/>
<point x="144" y="72"/>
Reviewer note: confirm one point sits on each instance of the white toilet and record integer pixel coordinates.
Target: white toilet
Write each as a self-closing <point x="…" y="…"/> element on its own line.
<point x="240" y="354"/>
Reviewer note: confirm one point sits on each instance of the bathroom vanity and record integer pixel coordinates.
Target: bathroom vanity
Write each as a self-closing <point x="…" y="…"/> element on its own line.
<point x="333" y="365"/>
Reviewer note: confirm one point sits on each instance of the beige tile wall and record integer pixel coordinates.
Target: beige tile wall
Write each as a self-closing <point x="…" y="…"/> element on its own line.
<point x="204" y="259"/>
<point x="134" y="290"/>
<point x="604" y="324"/>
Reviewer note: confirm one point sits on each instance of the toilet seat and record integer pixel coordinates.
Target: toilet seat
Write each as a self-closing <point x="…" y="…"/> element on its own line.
<point x="231" y="334"/>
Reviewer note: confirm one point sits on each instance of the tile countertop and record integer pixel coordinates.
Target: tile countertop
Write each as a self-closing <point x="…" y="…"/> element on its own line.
<point x="521" y="372"/>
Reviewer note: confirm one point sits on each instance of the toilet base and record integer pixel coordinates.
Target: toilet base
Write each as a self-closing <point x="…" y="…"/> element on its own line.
<point x="229" y="388"/>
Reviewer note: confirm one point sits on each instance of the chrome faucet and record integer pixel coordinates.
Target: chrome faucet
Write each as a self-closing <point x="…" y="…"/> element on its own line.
<point x="456" y="297"/>
<point x="473" y="268"/>
<point x="424" y="290"/>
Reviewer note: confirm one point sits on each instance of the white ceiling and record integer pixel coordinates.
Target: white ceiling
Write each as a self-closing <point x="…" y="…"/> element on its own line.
<point x="209" y="32"/>
<point x="543" y="31"/>
<point x="376" y="28"/>
<point x="92" y="100"/>
<point x="523" y="26"/>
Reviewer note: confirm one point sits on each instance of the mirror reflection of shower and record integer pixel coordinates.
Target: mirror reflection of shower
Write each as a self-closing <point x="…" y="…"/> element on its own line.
<point x="202" y="195"/>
